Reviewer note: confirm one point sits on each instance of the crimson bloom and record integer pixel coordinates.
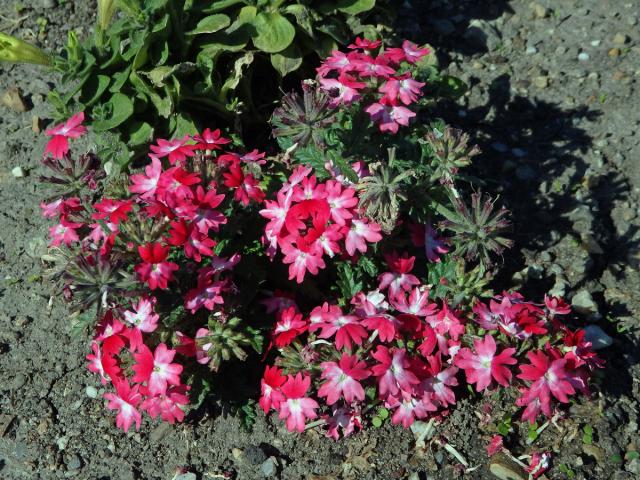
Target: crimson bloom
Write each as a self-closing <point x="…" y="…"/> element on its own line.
<point x="289" y="326"/>
<point x="270" y="385"/>
<point x="168" y="405"/>
<point x="114" y="211"/>
<point x="64" y="232"/>
<point x="484" y="365"/>
<point x="393" y="371"/>
<point x="58" y="145"/>
<point x="145" y="184"/>
<point x="346" y="328"/>
<point x="155" y="270"/>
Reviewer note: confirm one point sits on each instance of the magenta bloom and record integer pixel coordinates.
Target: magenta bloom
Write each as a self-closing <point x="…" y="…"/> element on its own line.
<point x="142" y="319"/>
<point x="343" y="379"/>
<point x="114" y="211"/>
<point x="125" y="401"/>
<point x="176" y="150"/>
<point x="210" y="140"/>
<point x="58" y="146"/>
<point x="416" y="304"/>
<point x="484" y="365"/>
<point x="156" y="369"/>
<point x="300" y="261"/>
<point x="495" y="445"/>
<point x="389" y="117"/>
<point x="155" y="270"/>
<point x="296" y="407"/>
<point x="399" y="278"/>
<point x="409" y="408"/>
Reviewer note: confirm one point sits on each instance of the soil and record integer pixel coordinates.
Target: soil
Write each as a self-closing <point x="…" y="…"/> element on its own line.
<point x="554" y="104"/>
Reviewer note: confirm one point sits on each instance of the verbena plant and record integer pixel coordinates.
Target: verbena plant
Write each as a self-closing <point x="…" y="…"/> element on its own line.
<point x="360" y="235"/>
<point x="162" y="68"/>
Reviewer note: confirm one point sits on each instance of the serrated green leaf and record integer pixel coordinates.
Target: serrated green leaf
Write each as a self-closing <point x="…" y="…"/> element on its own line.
<point x="274" y="32"/>
<point x="287" y="61"/>
<point x="211" y="24"/>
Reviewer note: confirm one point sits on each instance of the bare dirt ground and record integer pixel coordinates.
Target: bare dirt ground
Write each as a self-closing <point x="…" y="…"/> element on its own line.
<point x="554" y="104"/>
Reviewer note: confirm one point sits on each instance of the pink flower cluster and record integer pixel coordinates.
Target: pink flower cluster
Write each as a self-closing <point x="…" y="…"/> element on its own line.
<point x="311" y="219"/>
<point x="186" y="212"/>
<point x="412" y="351"/>
<point x="382" y="78"/>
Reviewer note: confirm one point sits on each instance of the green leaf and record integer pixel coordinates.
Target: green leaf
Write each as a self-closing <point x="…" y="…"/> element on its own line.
<point x="211" y="24"/>
<point x="220" y="5"/>
<point x="140" y="133"/>
<point x="304" y="19"/>
<point x="234" y="79"/>
<point x="347" y="282"/>
<point x="93" y="89"/>
<point x="354" y="7"/>
<point x="344" y="167"/>
<point x="287" y="61"/>
<point x="313" y="157"/>
<point x="120" y="109"/>
<point x="376" y="422"/>
<point x="182" y="124"/>
<point x="274" y="32"/>
<point x="452" y="87"/>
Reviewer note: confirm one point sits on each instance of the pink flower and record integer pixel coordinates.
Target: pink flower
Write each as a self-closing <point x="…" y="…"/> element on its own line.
<point x="332" y="321"/>
<point x="245" y="185"/>
<point x="341" y="200"/>
<point x="210" y="140"/>
<point x="289" y="326"/>
<point x="549" y="377"/>
<point x="205" y="217"/>
<point x="276" y="212"/>
<point x="155" y="270"/>
<point x="156" y="369"/>
<point x="556" y="306"/>
<point x="271" y="396"/>
<point x="299" y="261"/>
<point x="398" y="279"/>
<point x="177" y="150"/>
<point x="409" y="408"/>
<point x="168" y="405"/>
<point x="404" y="88"/>
<point x="296" y="408"/>
<point x="484" y="365"/>
<point x="417" y="303"/>
<point x="145" y="184"/>
<point x="437" y="386"/>
<point x="360" y="232"/>
<point x="142" y="319"/>
<point x="113" y="211"/>
<point x="342" y="418"/>
<point x="365" y="44"/>
<point x="345" y="89"/>
<point x="539" y="464"/>
<point x="446" y="322"/>
<point x="412" y="52"/>
<point x="386" y="325"/>
<point x="388" y="116"/>
<point x="58" y="145"/>
<point x="372" y="67"/>
<point x="207" y="294"/>
<point x="425" y="236"/>
<point x="125" y="401"/>
<point x="95" y="362"/>
<point x="393" y="371"/>
<point x="343" y="379"/>
<point x="64" y="232"/>
<point x="495" y="445"/>
<point x="60" y="207"/>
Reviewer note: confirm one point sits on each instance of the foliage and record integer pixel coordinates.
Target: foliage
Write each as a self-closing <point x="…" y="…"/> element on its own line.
<point x="162" y="68"/>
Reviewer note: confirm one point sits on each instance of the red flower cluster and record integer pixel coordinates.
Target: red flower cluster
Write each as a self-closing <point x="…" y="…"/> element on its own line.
<point x="384" y="80"/>
<point x="410" y="350"/>
<point x="310" y="219"/>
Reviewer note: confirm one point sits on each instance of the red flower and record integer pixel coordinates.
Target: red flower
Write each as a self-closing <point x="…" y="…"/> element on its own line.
<point x="125" y="401"/>
<point x="58" y="146"/>
<point x="210" y="140"/>
<point x="347" y="328"/>
<point x="245" y="186"/>
<point x="289" y="326"/>
<point x="270" y="385"/>
<point x="393" y="371"/>
<point x="155" y="270"/>
<point x="168" y="405"/>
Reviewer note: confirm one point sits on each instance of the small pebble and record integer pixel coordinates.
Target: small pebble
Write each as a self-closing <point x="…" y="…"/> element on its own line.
<point x="18" y="172"/>
<point x="499" y="147"/>
<point x="583" y="56"/>
<point x="598" y="338"/>
<point x="531" y="50"/>
<point x="269" y="467"/>
<point x="595" y="43"/>
<point x="91" y="391"/>
<point x="614" y="52"/>
<point x="519" y="152"/>
<point x="620" y="39"/>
